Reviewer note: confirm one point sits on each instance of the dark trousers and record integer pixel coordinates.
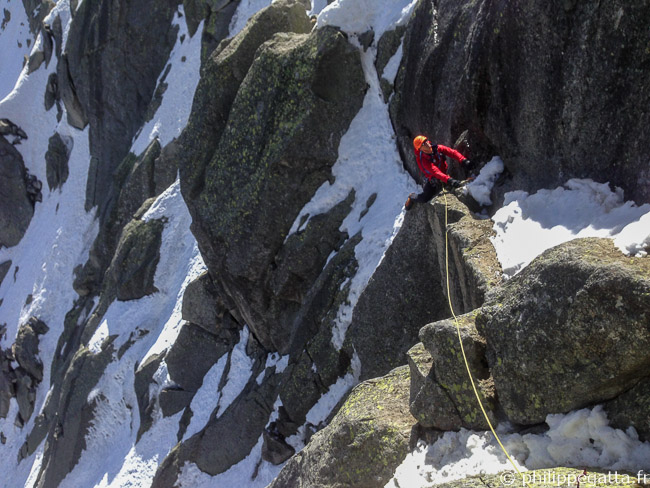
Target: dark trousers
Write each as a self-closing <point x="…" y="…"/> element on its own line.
<point x="430" y="189"/>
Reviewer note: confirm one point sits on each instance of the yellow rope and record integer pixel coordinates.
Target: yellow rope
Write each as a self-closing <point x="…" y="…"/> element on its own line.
<point x="460" y="340"/>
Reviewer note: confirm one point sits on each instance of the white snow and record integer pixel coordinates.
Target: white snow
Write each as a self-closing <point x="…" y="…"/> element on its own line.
<point x="482" y="185"/>
<point x="174" y="111"/>
<point x="16" y="42"/>
<point x="317" y="6"/>
<point x="241" y="367"/>
<point x="369" y="163"/>
<point x="527" y="225"/>
<point x="57" y="239"/>
<point x="206" y="398"/>
<point x="245" y="10"/>
<point x="392" y="67"/>
<point x="151" y="324"/>
<point x="581" y="439"/>
<point x="359" y="16"/>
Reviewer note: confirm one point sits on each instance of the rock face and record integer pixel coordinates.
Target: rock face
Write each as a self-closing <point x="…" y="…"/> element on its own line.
<point x="16" y="210"/>
<point x="570" y="330"/>
<point x="56" y="159"/>
<point x="100" y="69"/>
<point x="366" y="440"/>
<point x="472" y="262"/>
<point x="262" y="138"/>
<point x="445" y="397"/>
<point x="545" y="103"/>
<point x="632" y="408"/>
<point x="407" y="284"/>
<point x="69" y="425"/>
<point x="132" y="271"/>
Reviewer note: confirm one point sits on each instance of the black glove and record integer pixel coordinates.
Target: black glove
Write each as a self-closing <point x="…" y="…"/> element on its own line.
<point x="468" y="164"/>
<point x="454" y="183"/>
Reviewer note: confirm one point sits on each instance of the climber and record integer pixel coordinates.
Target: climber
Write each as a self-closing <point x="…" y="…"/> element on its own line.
<point x="433" y="164"/>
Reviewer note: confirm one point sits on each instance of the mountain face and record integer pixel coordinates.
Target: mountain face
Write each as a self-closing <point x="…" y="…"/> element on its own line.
<point x="219" y="284"/>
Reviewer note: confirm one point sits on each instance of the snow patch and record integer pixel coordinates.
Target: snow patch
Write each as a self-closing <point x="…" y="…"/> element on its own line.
<point x="481" y="187"/>
<point x="359" y="16"/>
<point x="579" y="439"/>
<point x="527" y="225"/>
<point x="245" y="10"/>
<point x="183" y="77"/>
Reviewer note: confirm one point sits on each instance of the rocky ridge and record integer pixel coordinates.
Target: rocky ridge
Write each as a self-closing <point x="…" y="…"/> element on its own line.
<point x="268" y="115"/>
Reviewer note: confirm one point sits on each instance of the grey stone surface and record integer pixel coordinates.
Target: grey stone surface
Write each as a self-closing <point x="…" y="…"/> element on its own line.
<point x="632" y="409"/>
<point x="16" y="210"/>
<point x="404" y="293"/>
<point x="56" y="160"/>
<point x="367" y="439"/>
<point x="566" y="88"/>
<point x="262" y="174"/>
<point x="25" y="349"/>
<point x="450" y="372"/>
<point x="568" y="331"/>
<point x="100" y="69"/>
<point x="131" y="273"/>
<point x="429" y="402"/>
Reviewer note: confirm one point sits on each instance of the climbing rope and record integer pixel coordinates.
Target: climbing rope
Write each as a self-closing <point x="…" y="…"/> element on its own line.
<point x="462" y="349"/>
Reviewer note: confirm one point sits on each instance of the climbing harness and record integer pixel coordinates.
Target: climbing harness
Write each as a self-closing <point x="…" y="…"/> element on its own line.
<point x="462" y="349"/>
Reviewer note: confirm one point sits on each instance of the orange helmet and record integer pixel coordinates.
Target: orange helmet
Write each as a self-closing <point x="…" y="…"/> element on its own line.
<point x="418" y="141"/>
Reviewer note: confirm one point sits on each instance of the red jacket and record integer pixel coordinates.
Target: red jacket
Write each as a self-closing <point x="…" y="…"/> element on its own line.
<point x="435" y="165"/>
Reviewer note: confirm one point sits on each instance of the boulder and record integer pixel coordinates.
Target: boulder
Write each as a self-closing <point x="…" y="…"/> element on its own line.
<point x="429" y="402"/>
<point x="136" y="181"/>
<point x="367" y="439"/>
<point x="173" y="400"/>
<point x="632" y="409"/>
<point x="51" y="95"/>
<point x="545" y="97"/>
<point x="16" y="209"/>
<point x="131" y="273"/>
<point x="450" y="372"/>
<point x="248" y="179"/>
<point x="275" y="450"/>
<point x="387" y="46"/>
<point x="216" y="15"/>
<point x="568" y="331"/>
<point x="4" y="269"/>
<point x="70" y="422"/>
<point x="220" y="80"/>
<point x="8" y="128"/>
<point x="7" y="390"/>
<point x="25" y="349"/>
<point x="25" y="389"/>
<point x="471" y="261"/>
<point x="315" y="364"/>
<point x="200" y="303"/>
<point x="203" y="348"/>
<point x="136" y="174"/>
<point x="146" y="403"/>
<point x="36" y="11"/>
<point x="56" y="160"/>
<point x="227" y="439"/>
